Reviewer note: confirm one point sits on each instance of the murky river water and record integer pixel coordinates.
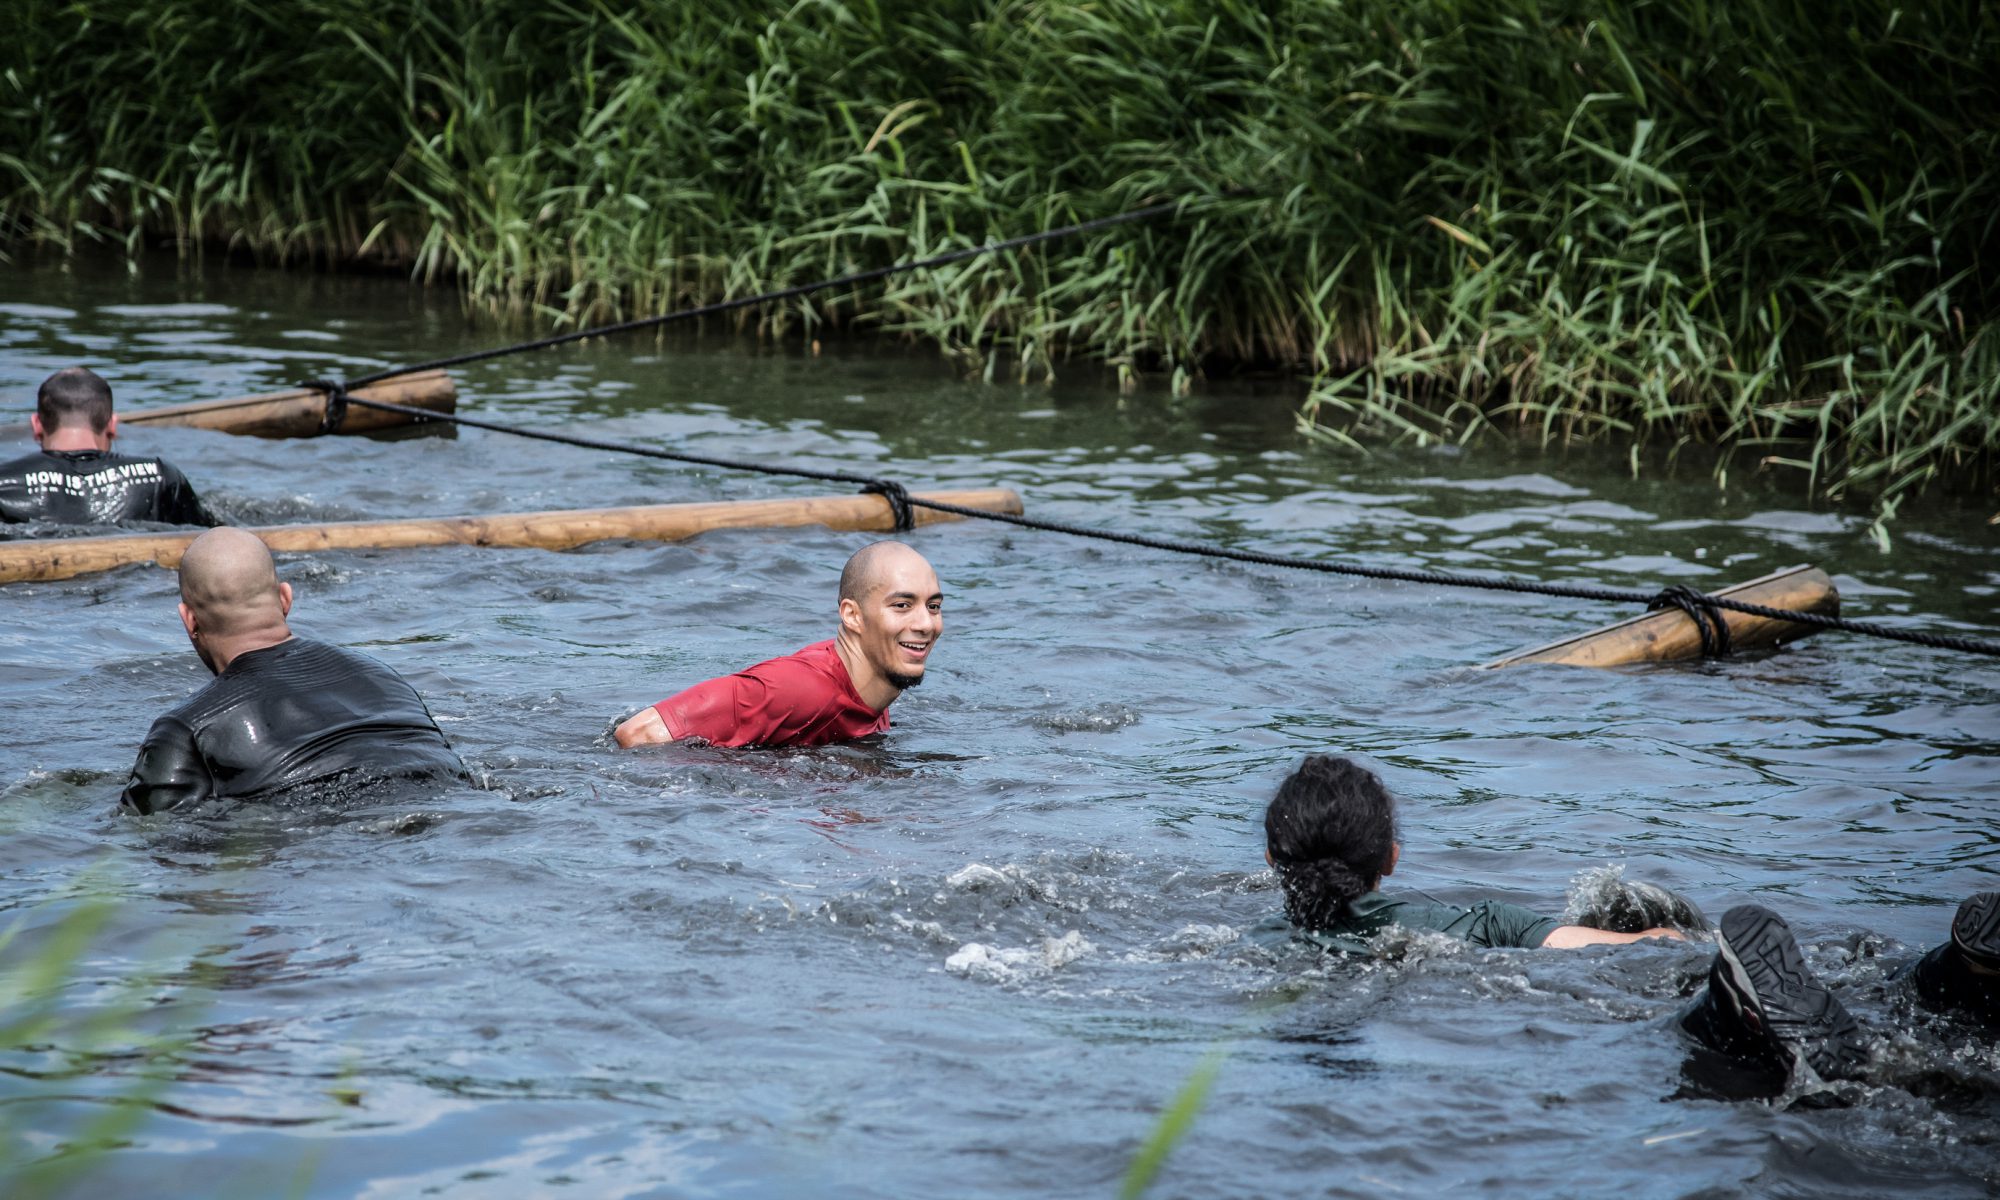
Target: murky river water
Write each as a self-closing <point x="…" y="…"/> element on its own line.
<point x="979" y="958"/>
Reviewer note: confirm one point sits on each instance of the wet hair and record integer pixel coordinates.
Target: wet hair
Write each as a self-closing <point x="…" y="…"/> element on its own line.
<point x="1330" y="830"/>
<point x="74" y="396"/>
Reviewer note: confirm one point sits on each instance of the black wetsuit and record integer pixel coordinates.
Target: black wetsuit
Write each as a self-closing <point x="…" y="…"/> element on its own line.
<point x="282" y="716"/>
<point x="96" y="487"/>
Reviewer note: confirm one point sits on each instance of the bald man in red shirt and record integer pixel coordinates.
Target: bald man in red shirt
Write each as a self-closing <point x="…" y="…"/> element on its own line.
<point x="891" y="615"/>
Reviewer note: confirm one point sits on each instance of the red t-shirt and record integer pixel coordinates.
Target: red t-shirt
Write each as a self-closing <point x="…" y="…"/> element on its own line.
<point x="802" y="699"/>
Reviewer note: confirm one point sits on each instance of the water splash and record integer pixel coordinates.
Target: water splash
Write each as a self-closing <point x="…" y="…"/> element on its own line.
<point x="1100" y="718"/>
<point x="1012" y="964"/>
<point x="1602" y="898"/>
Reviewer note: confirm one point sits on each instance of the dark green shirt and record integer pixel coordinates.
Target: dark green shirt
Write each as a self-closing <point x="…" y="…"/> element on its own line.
<point x="1487" y="923"/>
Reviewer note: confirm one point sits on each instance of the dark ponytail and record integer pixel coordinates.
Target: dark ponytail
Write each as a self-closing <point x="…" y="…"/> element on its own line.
<point x="1330" y="831"/>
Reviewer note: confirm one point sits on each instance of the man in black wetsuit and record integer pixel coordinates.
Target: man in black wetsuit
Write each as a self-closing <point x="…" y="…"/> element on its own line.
<point x="75" y="479"/>
<point x="283" y="710"/>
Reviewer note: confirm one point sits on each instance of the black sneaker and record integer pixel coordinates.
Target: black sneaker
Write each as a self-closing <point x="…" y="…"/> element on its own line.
<point x="1976" y="930"/>
<point x="1758" y="961"/>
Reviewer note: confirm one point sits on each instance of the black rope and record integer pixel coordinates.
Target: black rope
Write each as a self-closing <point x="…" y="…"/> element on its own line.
<point x="589" y="443"/>
<point x="1257" y="557"/>
<point x="1530" y="587"/>
<point x="1708" y="620"/>
<point x="899" y="502"/>
<point x="335" y="414"/>
<point x="804" y="289"/>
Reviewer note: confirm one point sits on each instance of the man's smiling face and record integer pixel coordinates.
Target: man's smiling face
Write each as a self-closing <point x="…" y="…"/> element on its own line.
<point x="899" y="618"/>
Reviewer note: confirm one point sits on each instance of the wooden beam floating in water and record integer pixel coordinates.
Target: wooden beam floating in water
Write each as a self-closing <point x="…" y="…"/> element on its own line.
<point x="300" y="412"/>
<point x="63" y="558"/>
<point x="1669" y="635"/>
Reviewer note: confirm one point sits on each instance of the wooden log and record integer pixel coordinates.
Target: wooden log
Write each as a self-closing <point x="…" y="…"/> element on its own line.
<point x="299" y="412"/>
<point x="1668" y="635"/>
<point x="63" y="558"/>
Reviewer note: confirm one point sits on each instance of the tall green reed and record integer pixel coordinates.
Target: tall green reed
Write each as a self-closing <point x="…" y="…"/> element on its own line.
<point x="73" y="1043"/>
<point x="1766" y="226"/>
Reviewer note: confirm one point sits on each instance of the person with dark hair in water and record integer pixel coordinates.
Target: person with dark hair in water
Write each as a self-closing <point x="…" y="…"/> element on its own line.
<point x="283" y="711"/>
<point x="75" y="479"/>
<point x="1330" y="835"/>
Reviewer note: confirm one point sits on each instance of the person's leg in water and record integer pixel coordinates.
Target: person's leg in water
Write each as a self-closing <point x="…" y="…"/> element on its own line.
<point x="1763" y="1005"/>
<point x="1963" y="974"/>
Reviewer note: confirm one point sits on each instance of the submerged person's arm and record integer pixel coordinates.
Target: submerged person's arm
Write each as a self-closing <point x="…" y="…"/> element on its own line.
<point x="643" y="728"/>
<point x="169" y="771"/>
<point x="1497" y="923"/>
<point x="1569" y="937"/>
<point x="725" y="711"/>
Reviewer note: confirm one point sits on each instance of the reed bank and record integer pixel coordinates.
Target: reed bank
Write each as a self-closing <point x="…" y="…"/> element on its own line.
<point x="1765" y="227"/>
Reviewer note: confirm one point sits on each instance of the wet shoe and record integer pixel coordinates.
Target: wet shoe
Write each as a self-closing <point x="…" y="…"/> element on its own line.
<point x="1976" y="930"/>
<point x="1758" y="963"/>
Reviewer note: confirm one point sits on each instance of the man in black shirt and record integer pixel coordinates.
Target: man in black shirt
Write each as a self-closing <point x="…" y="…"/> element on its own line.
<point x="75" y="479"/>
<point x="283" y="710"/>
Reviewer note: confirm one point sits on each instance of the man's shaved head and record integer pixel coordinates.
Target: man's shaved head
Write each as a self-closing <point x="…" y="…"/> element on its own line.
<point x="230" y="582"/>
<point x="869" y="569"/>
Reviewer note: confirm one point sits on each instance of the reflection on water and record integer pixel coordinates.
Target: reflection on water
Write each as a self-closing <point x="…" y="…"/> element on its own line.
<point x="977" y="956"/>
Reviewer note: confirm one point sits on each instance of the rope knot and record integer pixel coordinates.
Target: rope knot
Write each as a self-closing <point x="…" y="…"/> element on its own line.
<point x="899" y="501"/>
<point x="335" y="415"/>
<point x="1701" y="609"/>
